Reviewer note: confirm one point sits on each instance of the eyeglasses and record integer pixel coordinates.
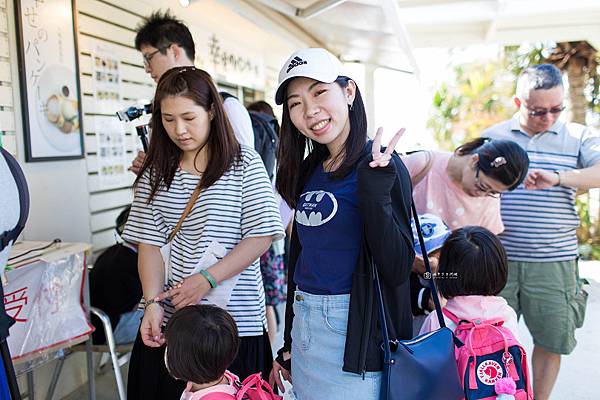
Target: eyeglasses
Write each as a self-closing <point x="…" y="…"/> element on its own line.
<point x="148" y="57"/>
<point x="541" y="113"/>
<point x="479" y="186"/>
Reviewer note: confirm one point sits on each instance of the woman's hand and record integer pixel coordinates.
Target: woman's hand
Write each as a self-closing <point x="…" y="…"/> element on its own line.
<point x="275" y="377"/>
<point x="383" y="159"/>
<point x="150" y="326"/>
<point x="190" y="291"/>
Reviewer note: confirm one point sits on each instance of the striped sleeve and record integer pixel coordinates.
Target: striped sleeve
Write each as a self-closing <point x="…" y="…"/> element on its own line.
<point x="260" y="213"/>
<point x="589" y="152"/>
<point x="144" y="224"/>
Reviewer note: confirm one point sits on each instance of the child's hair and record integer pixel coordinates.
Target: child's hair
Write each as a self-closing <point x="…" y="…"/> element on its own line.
<point x="202" y="342"/>
<point x="163" y="155"/>
<point x="472" y="262"/>
<point x="502" y="160"/>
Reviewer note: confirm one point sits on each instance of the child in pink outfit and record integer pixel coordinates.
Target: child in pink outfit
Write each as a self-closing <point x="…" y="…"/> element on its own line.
<point x="473" y="269"/>
<point x="202" y="341"/>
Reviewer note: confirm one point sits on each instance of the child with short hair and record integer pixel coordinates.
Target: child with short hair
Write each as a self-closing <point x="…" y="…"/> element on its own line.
<point x="202" y="341"/>
<point x="473" y="269"/>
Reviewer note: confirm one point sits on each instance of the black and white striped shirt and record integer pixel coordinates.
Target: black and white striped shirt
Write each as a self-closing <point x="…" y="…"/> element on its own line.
<point x="239" y="205"/>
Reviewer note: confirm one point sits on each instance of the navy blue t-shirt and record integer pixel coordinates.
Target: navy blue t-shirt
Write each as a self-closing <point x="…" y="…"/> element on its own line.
<point x="330" y="232"/>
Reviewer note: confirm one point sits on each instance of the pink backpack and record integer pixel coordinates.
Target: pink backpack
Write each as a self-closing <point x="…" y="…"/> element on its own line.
<point x="492" y="362"/>
<point x="253" y="388"/>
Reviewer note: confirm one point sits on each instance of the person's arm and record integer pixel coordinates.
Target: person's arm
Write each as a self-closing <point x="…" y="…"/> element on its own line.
<point x="152" y="274"/>
<point x="385" y="196"/>
<point x="585" y="178"/>
<point x="239" y="118"/>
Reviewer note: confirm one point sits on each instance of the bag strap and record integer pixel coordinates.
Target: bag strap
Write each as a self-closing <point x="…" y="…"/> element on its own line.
<point x="434" y="292"/>
<point x="188" y="208"/>
<point x="423" y="173"/>
<point x="379" y="294"/>
<point x="468" y="323"/>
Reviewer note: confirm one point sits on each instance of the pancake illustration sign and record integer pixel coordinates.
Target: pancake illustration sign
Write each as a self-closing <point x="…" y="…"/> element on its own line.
<point x="50" y="89"/>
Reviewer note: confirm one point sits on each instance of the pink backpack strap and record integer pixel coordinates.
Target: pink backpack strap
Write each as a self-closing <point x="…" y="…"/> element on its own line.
<point x="450" y="315"/>
<point x="255" y="388"/>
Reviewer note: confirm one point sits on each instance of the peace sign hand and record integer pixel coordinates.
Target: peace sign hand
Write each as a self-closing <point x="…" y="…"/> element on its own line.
<point x="383" y="159"/>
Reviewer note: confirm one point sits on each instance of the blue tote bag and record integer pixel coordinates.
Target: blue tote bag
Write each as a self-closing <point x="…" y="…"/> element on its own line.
<point x="423" y="368"/>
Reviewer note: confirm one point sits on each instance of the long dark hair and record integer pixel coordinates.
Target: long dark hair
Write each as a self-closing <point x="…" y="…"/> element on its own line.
<point x="163" y="155"/>
<point x="293" y="147"/>
<point x="502" y="160"/>
<point x="473" y="262"/>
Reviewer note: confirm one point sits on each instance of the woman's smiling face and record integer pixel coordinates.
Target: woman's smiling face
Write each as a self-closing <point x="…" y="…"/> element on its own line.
<point x="320" y="110"/>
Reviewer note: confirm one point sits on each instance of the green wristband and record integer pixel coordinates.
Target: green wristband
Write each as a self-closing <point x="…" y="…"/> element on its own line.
<point x="211" y="281"/>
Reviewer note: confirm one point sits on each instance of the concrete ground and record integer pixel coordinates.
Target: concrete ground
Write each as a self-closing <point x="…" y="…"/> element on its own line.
<point x="579" y="377"/>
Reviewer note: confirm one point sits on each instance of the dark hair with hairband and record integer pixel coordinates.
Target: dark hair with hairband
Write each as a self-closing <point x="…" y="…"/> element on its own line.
<point x="502" y="160"/>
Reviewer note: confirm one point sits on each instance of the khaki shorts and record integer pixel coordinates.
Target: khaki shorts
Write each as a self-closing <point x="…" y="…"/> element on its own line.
<point x="551" y="299"/>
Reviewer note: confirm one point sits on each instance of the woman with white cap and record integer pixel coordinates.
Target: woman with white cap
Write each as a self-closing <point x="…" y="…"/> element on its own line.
<point x="352" y="202"/>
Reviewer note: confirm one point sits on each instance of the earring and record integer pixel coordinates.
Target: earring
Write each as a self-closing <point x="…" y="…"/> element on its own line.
<point x="350" y="106"/>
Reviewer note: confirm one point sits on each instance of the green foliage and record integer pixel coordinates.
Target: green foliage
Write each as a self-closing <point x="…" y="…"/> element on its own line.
<point x="478" y="96"/>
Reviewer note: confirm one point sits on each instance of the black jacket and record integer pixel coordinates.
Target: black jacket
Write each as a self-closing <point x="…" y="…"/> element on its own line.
<point x="384" y="196"/>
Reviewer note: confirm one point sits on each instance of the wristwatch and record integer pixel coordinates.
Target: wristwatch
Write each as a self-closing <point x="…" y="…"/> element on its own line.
<point x="559" y="178"/>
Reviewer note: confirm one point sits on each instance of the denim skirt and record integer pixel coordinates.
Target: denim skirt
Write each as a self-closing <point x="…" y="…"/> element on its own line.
<point x="318" y="340"/>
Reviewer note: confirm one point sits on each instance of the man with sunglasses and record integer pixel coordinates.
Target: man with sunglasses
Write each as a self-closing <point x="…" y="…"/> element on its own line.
<point x="166" y="42"/>
<point x="540" y="219"/>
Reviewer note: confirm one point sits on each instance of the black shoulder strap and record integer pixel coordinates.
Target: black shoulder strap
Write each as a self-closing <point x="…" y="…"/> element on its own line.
<point x="225" y="96"/>
<point x="19" y="177"/>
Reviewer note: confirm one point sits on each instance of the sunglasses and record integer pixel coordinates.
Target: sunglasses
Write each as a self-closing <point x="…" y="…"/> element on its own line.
<point x="541" y="113"/>
<point x="482" y="189"/>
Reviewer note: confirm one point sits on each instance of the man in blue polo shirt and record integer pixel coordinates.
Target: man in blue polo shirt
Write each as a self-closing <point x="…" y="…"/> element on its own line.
<point x="539" y="236"/>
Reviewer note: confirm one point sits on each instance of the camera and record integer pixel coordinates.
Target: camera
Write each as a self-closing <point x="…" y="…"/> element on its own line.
<point x="130" y="113"/>
<point x="134" y="112"/>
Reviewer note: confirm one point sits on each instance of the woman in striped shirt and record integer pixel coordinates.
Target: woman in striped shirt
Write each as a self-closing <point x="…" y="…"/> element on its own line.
<point x="211" y="254"/>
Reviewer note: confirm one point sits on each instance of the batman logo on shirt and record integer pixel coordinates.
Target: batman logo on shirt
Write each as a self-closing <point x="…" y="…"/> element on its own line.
<point x="316" y="208"/>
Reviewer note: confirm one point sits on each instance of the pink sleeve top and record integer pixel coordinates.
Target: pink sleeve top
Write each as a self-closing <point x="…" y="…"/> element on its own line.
<point x="437" y="194"/>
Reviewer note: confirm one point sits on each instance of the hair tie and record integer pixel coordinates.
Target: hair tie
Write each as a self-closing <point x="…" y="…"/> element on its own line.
<point x="498" y="162"/>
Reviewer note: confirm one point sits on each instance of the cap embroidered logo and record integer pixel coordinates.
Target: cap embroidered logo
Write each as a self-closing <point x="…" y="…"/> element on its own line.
<point x="294" y="63"/>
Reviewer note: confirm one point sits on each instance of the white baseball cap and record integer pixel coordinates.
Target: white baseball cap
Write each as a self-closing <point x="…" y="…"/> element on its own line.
<point x="314" y="63"/>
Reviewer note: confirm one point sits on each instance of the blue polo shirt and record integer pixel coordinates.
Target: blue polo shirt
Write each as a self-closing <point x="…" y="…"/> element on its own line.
<point x="539" y="225"/>
<point x="330" y="231"/>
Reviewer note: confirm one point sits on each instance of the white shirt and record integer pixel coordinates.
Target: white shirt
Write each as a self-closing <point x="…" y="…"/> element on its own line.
<point x="239" y="118"/>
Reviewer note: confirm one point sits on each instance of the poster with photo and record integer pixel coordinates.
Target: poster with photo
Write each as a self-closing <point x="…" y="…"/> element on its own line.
<point x="107" y="80"/>
<point x="49" y="69"/>
<point x="111" y="153"/>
